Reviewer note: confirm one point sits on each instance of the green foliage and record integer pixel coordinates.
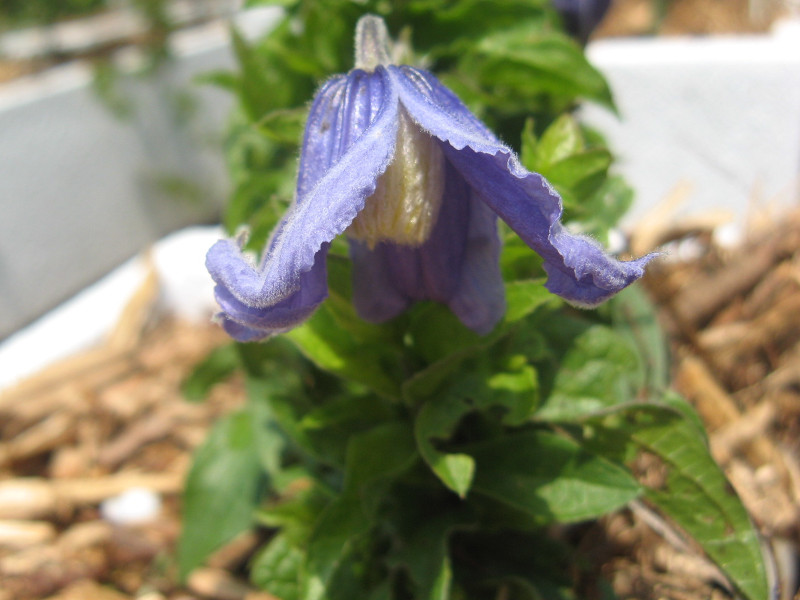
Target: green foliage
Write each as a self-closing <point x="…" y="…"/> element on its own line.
<point x="41" y="12"/>
<point x="593" y="199"/>
<point x="416" y="459"/>
<point x="222" y="490"/>
<point x="507" y="60"/>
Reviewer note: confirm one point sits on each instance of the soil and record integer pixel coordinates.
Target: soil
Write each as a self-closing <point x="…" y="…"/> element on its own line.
<point x="113" y="418"/>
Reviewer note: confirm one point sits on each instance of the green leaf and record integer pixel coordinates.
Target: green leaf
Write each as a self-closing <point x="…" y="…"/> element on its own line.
<point x="214" y="368"/>
<point x="222" y="490"/>
<point x="437" y="333"/>
<point x="523" y="62"/>
<point x="438" y="419"/>
<point x="697" y="496"/>
<point x="583" y="173"/>
<point x="550" y="477"/>
<point x="279" y="569"/>
<point x="602" y="209"/>
<point x="560" y="141"/>
<point x="283" y="3"/>
<point x="325" y="343"/>
<point x="634" y="318"/>
<point x="425" y="554"/>
<point x="374" y="459"/>
<point x="525" y="296"/>
<point x="692" y="489"/>
<point x="599" y="370"/>
<point x="444" y="581"/>
<point x="284" y="125"/>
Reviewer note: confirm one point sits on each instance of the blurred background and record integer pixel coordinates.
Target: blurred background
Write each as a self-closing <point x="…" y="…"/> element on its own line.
<point x="109" y="139"/>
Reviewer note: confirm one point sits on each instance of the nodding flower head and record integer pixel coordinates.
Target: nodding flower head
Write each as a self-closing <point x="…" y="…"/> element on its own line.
<point x="395" y="161"/>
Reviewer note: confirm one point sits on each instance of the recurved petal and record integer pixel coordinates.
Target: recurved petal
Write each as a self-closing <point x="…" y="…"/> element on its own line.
<point x="439" y="111"/>
<point x="578" y="269"/>
<point x="348" y="143"/>
<point x="247" y="323"/>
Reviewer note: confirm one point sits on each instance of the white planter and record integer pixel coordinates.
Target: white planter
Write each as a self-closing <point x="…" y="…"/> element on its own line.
<point x="719" y="116"/>
<point x="81" y="191"/>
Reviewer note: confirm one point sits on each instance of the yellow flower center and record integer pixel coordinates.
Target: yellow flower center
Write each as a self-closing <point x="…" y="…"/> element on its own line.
<point x="406" y="202"/>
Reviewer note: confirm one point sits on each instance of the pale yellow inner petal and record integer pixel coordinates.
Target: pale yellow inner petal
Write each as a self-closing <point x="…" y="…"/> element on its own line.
<point x="406" y="202"/>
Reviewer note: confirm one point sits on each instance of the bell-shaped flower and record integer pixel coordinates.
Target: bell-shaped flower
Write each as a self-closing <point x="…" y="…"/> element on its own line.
<point x="396" y="162"/>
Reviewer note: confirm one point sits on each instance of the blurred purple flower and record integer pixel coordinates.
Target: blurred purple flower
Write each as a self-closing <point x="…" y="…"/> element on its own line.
<point x="581" y="16"/>
<point x="394" y="160"/>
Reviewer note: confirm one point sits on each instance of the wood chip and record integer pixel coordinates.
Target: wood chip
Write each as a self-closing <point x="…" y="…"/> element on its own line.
<point x="217" y="584"/>
<point x="25" y="534"/>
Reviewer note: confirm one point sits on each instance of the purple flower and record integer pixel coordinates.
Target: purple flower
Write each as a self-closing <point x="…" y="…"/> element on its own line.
<point x="394" y="160"/>
<point x="581" y="16"/>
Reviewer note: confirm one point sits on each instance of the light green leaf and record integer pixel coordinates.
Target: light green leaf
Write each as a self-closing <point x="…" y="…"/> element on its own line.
<point x="582" y="173"/>
<point x="222" y="490"/>
<point x="278" y="568"/>
<point x="524" y="296"/>
<point x="599" y="370"/>
<point x="437" y="420"/>
<point x="560" y="141"/>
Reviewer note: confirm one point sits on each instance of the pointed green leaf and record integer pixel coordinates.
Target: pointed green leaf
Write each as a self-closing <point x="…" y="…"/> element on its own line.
<point x="438" y="419"/>
<point x="560" y="141"/>
<point x="222" y="490"/>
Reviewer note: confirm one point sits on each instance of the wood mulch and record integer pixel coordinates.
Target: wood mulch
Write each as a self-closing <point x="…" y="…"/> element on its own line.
<point x="733" y="321"/>
<point x="113" y="418"/>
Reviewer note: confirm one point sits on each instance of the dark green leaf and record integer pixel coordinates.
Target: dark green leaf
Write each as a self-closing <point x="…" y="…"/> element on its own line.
<point x="333" y="349"/>
<point x="550" y="477"/>
<point x="374" y="458"/>
<point x="693" y="491"/>
<point x="635" y="319"/>
<point x="213" y="369"/>
<point x="522" y="62"/>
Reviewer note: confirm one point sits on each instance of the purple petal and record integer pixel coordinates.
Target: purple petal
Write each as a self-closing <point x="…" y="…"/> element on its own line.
<point x="376" y="295"/>
<point x="246" y="323"/>
<point x="439" y="111"/>
<point x="480" y="299"/>
<point x="458" y="265"/>
<point x="581" y="16"/>
<point x="348" y="142"/>
<point x="578" y="269"/>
